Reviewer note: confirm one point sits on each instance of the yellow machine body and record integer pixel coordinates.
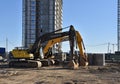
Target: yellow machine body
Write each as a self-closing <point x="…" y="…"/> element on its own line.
<point x="21" y="54"/>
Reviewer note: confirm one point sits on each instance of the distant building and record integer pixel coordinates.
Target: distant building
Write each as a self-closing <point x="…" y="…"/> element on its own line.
<point x="39" y="17"/>
<point x="2" y="51"/>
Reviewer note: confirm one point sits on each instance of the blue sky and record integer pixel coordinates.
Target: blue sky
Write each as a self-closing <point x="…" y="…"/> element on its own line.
<point x="96" y="20"/>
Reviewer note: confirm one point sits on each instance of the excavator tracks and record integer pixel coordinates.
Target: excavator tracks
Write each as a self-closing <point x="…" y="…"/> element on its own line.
<point x="32" y="63"/>
<point x="25" y="64"/>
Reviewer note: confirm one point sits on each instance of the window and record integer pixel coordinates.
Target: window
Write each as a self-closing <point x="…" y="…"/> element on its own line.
<point x="33" y="17"/>
<point x="32" y="36"/>
<point x="32" y="7"/>
<point x="33" y="13"/>
<point x="41" y="26"/>
<point x="33" y="32"/>
<point x="32" y="26"/>
<point x="50" y="21"/>
<point x="51" y="7"/>
<point x="51" y="2"/>
<point x="50" y="12"/>
<point x="32" y="2"/>
<point x="41" y="12"/>
<point x="32" y="21"/>
<point x="32" y="40"/>
<point x="41" y="21"/>
<point x="51" y="17"/>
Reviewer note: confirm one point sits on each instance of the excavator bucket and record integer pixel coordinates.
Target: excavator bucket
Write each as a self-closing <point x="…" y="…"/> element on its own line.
<point x="83" y="62"/>
<point x="73" y="65"/>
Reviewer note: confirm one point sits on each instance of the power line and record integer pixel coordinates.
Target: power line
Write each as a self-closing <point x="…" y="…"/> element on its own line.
<point x="97" y="45"/>
<point x="101" y="44"/>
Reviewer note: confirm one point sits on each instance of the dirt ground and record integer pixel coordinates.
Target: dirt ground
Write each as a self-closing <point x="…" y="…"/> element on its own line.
<point x="109" y="74"/>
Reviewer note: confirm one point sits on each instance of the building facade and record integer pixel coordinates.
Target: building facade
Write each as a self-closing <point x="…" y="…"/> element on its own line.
<point x="40" y="17"/>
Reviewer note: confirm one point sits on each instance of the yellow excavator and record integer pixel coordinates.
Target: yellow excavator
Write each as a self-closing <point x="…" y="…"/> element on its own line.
<point x="33" y="57"/>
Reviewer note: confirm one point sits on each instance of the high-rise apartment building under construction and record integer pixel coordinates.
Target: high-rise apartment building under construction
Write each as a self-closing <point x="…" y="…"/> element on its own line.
<point x="39" y="17"/>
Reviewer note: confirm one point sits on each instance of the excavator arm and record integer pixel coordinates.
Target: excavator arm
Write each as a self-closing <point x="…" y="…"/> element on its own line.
<point x="51" y="42"/>
<point x="79" y="42"/>
<point x="83" y="57"/>
<point x="45" y="38"/>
